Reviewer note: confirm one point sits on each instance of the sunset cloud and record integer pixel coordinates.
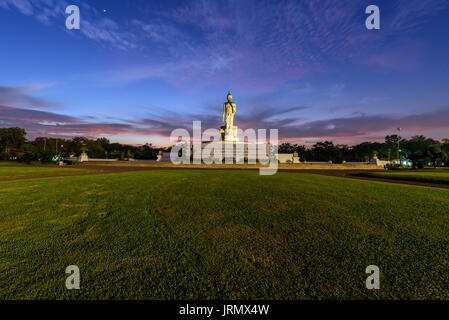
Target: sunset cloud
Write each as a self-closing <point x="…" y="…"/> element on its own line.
<point x="359" y="126"/>
<point x="22" y="96"/>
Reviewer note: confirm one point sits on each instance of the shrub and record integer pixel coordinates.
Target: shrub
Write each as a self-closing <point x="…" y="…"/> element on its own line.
<point x="420" y="164"/>
<point x="26" y="157"/>
<point x="46" y="156"/>
<point x="393" y="166"/>
<point x="5" y="156"/>
<point x="70" y="161"/>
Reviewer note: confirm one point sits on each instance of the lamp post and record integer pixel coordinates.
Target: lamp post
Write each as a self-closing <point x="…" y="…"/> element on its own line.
<point x="56" y="141"/>
<point x="399" y="150"/>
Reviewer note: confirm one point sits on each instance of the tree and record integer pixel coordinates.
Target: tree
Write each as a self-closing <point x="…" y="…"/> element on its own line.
<point x="13" y="144"/>
<point x="363" y="150"/>
<point x="46" y="156"/>
<point x="324" y="151"/>
<point x="416" y="148"/>
<point x="436" y="154"/>
<point x="129" y="155"/>
<point x="418" y="159"/>
<point x="445" y="145"/>
<point x="418" y="144"/>
<point x="104" y="142"/>
<point x="12" y="138"/>
<point x="287" y="147"/>
<point x="105" y="145"/>
<point x="392" y="142"/>
<point x="146" y="152"/>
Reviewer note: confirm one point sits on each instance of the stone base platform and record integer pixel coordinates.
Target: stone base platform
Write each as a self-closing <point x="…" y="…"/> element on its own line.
<point x="234" y="151"/>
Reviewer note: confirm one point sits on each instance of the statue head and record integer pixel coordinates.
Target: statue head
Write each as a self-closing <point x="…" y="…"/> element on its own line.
<point x="229" y="96"/>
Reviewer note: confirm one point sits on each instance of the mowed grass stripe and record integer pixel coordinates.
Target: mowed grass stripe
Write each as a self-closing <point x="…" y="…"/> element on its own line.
<point x="440" y="176"/>
<point x="11" y="170"/>
<point x="221" y="234"/>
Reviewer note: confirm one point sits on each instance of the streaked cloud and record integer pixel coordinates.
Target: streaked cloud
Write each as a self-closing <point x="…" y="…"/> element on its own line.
<point x="287" y="120"/>
<point x="249" y="43"/>
<point x="361" y="125"/>
<point x="290" y="61"/>
<point x="94" y="25"/>
<point x="42" y="123"/>
<point x="21" y="96"/>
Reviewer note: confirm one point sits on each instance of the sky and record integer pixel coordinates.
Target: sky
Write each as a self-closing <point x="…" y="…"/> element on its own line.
<point x="136" y="70"/>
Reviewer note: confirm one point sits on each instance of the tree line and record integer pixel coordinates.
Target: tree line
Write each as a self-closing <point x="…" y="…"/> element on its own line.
<point x="419" y="150"/>
<point x="15" y="146"/>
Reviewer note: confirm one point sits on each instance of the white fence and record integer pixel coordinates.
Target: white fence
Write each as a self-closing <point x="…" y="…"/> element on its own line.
<point x="97" y="159"/>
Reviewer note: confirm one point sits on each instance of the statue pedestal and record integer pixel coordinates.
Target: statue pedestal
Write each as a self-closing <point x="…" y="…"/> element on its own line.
<point x="83" y="157"/>
<point x="229" y="135"/>
<point x="235" y="151"/>
<point x="164" y="157"/>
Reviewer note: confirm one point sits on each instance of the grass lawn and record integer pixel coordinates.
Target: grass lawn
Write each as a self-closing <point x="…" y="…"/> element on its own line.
<point x="221" y="234"/>
<point x="14" y="169"/>
<point x="427" y="175"/>
<point x="290" y="166"/>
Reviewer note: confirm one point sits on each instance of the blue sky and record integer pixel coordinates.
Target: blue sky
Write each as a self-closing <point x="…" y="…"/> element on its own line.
<point x="138" y="69"/>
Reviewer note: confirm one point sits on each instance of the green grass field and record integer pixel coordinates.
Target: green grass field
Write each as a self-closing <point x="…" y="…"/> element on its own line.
<point x="14" y="169"/>
<point x="221" y="234"/>
<point x="427" y="175"/>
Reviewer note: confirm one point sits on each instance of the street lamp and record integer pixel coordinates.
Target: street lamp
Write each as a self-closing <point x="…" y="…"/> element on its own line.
<point x="399" y="150"/>
<point x="56" y="140"/>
